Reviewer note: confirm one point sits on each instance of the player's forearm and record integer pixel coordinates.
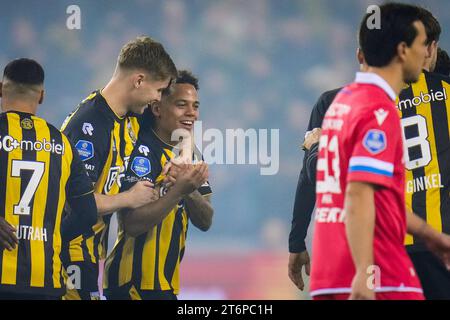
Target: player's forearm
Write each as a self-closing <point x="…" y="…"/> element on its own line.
<point x="305" y="198"/>
<point x="107" y="204"/>
<point x="360" y="223"/>
<point x="311" y="162"/>
<point x="199" y="210"/>
<point x="417" y="227"/>
<point x="140" y="220"/>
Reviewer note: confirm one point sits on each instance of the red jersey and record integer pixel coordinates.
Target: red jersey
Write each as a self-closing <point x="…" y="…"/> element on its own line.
<point x="361" y="141"/>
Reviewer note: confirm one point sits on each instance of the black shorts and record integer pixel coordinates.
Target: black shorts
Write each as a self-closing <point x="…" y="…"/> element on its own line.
<point x="433" y="275"/>
<point x="129" y="292"/>
<point x="25" y="296"/>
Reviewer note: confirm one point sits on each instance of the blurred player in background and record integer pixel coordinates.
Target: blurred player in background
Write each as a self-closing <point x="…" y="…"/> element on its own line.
<point x="303" y="206"/>
<point x="442" y="62"/>
<point x="424" y="108"/>
<point x="39" y="171"/>
<point x="104" y="135"/>
<point x="360" y="219"/>
<point x="305" y="196"/>
<point x="145" y="261"/>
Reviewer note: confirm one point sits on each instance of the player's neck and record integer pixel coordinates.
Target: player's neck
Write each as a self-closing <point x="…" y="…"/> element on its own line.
<point x="19" y="106"/>
<point x="391" y="75"/>
<point x="427" y="66"/>
<point x="162" y="135"/>
<point x="114" y="96"/>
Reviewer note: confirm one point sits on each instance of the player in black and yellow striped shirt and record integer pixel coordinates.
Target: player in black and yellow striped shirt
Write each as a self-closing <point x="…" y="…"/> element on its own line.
<point x="424" y="108"/>
<point x="442" y="63"/>
<point x="145" y="261"/>
<point x="39" y="171"/>
<point x="104" y="143"/>
<point x="104" y="135"/>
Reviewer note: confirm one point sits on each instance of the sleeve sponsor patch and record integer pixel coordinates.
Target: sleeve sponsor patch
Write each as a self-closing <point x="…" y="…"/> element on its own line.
<point x="375" y="141"/>
<point x="85" y="149"/>
<point x="87" y="128"/>
<point x="144" y="150"/>
<point x="141" y="166"/>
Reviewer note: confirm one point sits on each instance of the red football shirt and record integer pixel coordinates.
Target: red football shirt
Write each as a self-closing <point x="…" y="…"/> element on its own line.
<point x="361" y="141"/>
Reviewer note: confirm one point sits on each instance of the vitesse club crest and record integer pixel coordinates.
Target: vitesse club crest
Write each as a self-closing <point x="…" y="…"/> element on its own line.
<point x="26" y="124"/>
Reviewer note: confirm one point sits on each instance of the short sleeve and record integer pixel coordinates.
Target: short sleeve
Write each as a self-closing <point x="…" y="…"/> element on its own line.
<point x="79" y="182"/>
<point x="377" y="141"/>
<point x="320" y="108"/>
<point x="92" y="142"/>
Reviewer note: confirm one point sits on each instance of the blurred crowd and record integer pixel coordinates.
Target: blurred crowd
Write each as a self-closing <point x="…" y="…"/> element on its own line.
<point x="261" y="64"/>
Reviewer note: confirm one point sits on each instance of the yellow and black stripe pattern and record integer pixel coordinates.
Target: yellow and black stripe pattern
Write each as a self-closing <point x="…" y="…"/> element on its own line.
<point x="424" y="110"/>
<point x="110" y="141"/>
<point x="150" y="261"/>
<point x="35" y="169"/>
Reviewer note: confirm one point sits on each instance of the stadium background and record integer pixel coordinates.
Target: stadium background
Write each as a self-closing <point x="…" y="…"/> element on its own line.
<point x="262" y="64"/>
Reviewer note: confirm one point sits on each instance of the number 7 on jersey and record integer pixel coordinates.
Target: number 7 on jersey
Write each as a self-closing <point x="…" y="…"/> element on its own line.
<point x="38" y="168"/>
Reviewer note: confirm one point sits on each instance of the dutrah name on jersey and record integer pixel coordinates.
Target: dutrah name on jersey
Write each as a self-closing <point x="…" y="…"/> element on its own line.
<point x="31" y="233"/>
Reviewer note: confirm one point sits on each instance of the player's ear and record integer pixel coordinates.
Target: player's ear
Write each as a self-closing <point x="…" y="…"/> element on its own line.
<point x="138" y="79"/>
<point x="358" y="55"/>
<point x="402" y="51"/>
<point x="1" y="89"/>
<point x="432" y="48"/>
<point x="155" y="107"/>
<point x="41" y="98"/>
<point x="429" y="50"/>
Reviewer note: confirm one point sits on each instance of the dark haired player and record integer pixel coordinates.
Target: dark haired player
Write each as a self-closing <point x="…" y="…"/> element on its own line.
<point x="39" y="171"/>
<point x="145" y="262"/>
<point x="360" y="220"/>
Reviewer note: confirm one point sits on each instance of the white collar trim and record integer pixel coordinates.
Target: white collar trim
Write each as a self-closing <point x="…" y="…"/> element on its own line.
<point x="373" y="78"/>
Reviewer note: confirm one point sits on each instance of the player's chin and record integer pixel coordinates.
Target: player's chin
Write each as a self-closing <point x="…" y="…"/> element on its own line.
<point x="412" y="77"/>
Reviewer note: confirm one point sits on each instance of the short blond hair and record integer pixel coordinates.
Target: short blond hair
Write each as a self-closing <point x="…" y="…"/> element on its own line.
<point x="147" y="54"/>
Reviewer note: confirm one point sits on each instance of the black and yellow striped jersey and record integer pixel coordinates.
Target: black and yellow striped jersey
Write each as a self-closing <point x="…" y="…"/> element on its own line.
<point x="104" y="142"/>
<point x="39" y="170"/>
<point x="424" y="108"/>
<point x="150" y="261"/>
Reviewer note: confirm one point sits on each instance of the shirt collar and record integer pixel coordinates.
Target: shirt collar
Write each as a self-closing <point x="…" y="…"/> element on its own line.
<point x="373" y="78"/>
<point x="108" y="107"/>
